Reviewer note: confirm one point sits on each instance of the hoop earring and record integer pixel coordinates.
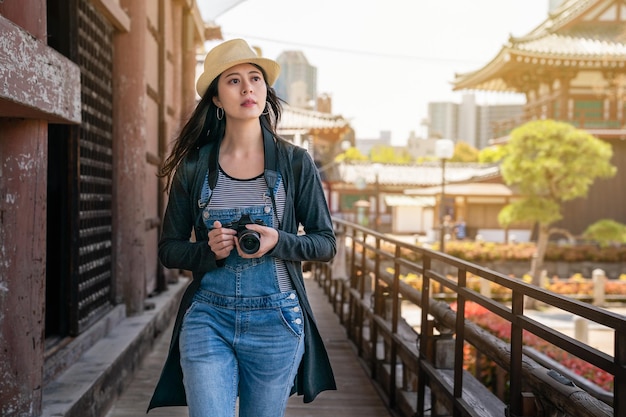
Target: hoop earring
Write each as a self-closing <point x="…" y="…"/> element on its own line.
<point x="219" y="115"/>
<point x="266" y="110"/>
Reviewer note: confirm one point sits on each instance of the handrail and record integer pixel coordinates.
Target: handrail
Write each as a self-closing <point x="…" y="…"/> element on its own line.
<point x="364" y="284"/>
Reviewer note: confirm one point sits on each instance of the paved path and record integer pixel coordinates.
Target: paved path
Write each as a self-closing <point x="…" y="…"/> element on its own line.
<point x="355" y="395"/>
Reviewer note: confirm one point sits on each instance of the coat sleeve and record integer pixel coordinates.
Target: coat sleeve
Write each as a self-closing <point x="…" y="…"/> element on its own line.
<point x="178" y="248"/>
<point x="311" y="211"/>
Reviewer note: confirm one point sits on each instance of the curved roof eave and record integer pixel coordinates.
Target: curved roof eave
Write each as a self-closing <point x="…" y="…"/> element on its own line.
<point x="486" y="78"/>
<point x="294" y="118"/>
<point x="550" y="48"/>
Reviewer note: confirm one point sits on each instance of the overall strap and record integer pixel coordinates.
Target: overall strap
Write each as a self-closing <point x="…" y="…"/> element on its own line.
<point x="197" y="172"/>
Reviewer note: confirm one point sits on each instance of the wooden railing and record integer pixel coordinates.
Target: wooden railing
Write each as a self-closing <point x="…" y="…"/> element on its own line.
<point x="413" y="345"/>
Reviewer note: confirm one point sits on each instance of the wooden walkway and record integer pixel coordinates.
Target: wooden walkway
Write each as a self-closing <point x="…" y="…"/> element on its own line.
<point x="355" y="395"/>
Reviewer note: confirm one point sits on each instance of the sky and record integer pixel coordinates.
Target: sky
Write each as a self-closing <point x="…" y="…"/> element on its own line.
<point x="382" y="62"/>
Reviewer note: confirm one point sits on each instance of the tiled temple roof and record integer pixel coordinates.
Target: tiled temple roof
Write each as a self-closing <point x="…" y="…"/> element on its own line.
<point x="421" y="175"/>
<point x="565" y="38"/>
<point x="305" y="120"/>
<point x="562" y="46"/>
<point x="467" y="189"/>
<point x="567" y="11"/>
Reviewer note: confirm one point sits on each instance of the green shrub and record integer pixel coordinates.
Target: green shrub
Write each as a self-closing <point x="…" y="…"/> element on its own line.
<point x="606" y="232"/>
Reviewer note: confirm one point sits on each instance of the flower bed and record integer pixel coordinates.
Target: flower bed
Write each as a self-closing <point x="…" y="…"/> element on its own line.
<point x="489" y="251"/>
<point x="486" y="370"/>
<point x="501" y="329"/>
<point x="576" y="286"/>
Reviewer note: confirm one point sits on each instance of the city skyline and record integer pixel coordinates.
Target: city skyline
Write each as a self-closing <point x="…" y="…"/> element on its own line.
<point x="382" y="63"/>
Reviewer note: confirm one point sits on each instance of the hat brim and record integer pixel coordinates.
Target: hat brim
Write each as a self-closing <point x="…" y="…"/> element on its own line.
<point x="270" y="67"/>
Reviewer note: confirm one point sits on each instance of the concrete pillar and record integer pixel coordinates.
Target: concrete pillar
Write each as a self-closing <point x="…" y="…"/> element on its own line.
<point x="129" y="158"/>
<point x="485" y="287"/>
<point x="598" y="277"/>
<point x="581" y="330"/>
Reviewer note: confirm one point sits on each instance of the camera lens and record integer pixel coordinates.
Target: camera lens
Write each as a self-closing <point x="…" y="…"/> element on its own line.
<point x="249" y="241"/>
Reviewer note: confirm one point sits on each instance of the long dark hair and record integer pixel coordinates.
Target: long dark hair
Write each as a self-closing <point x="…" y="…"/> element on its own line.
<point x="204" y="127"/>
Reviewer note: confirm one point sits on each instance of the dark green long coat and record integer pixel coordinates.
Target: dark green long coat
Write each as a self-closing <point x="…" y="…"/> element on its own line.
<point x="318" y="243"/>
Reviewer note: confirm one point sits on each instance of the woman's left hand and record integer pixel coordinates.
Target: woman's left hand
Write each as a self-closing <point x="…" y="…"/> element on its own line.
<point x="268" y="239"/>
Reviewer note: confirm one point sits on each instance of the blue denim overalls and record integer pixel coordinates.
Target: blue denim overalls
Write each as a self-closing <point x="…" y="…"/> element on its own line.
<point x="241" y="335"/>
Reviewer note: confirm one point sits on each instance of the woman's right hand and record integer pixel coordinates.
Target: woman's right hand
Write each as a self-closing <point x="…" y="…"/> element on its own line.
<point x="221" y="240"/>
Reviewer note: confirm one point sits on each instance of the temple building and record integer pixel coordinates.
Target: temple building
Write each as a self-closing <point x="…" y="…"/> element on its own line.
<point x="571" y="68"/>
<point x="323" y="134"/>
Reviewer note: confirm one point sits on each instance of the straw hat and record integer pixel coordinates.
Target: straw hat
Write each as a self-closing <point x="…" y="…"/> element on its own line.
<point x="227" y="55"/>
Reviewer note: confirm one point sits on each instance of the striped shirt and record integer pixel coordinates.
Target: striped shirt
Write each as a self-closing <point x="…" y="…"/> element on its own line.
<point x="231" y="193"/>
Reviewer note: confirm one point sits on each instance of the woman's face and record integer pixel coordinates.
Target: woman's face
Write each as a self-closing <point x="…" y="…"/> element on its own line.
<point x="241" y="92"/>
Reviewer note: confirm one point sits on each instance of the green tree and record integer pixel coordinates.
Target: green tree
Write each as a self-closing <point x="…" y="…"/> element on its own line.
<point x="464" y="152"/>
<point x="351" y="154"/>
<point x="548" y="163"/>
<point x="491" y="154"/>
<point x="389" y="155"/>
<point x="606" y="232"/>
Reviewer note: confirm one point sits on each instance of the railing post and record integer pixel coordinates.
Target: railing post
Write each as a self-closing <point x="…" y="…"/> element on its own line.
<point x="619" y="384"/>
<point x="359" y="317"/>
<point x="376" y="292"/>
<point x="347" y="287"/>
<point x="339" y="262"/>
<point x="444" y="349"/>
<point x="460" y="335"/>
<point x="515" y="407"/>
<point x="339" y="272"/>
<point x="395" y="317"/>
<point x="423" y="338"/>
<point x="444" y="359"/>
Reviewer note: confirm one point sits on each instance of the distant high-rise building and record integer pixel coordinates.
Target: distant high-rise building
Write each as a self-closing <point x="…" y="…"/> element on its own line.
<point x="468" y="122"/>
<point x="443" y="119"/>
<point x="297" y="83"/>
<point x="488" y="118"/>
<point x="365" y="145"/>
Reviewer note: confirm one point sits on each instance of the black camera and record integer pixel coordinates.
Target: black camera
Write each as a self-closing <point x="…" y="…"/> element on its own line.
<point x="249" y="240"/>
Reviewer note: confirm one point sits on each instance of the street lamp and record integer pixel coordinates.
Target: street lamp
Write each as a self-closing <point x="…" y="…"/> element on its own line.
<point x="377" y="168"/>
<point x="444" y="149"/>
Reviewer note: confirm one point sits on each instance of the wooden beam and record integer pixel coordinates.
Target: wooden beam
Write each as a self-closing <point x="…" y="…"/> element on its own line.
<point x="112" y="11"/>
<point x="38" y="82"/>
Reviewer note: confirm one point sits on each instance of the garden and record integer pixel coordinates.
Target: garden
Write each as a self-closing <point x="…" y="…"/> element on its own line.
<point x="487" y="371"/>
<point x="576" y="285"/>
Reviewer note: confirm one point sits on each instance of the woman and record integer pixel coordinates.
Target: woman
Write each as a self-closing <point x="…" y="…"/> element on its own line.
<point x="244" y="327"/>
